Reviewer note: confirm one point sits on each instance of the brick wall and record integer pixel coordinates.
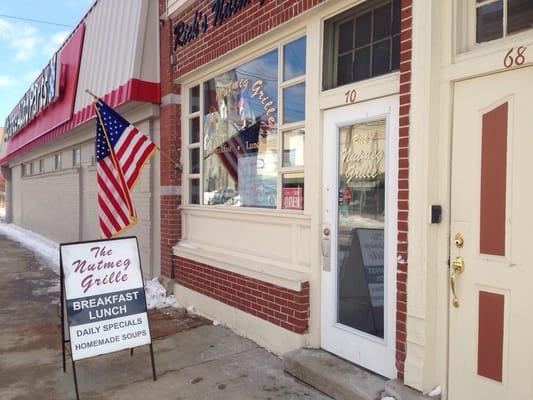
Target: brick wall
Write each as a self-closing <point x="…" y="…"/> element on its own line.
<point x="247" y="23"/>
<point x="170" y="137"/>
<point x="280" y="306"/>
<point x="403" y="183"/>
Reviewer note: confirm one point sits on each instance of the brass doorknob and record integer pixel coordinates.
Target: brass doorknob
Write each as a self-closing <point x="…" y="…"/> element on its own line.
<point x="458" y="266"/>
<point x="458" y="240"/>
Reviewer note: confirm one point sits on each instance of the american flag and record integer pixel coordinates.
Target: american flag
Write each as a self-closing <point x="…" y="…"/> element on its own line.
<point x="245" y="142"/>
<point x="121" y="151"/>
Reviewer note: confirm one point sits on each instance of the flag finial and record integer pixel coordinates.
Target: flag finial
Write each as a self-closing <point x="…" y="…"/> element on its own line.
<point x="95" y="97"/>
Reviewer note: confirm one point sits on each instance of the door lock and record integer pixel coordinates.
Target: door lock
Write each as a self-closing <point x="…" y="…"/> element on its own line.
<point x="326" y="247"/>
<point x="458" y="240"/>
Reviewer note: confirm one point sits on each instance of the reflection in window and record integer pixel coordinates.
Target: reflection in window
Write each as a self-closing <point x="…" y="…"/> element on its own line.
<point x="363" y="43"/>
<point x="294" y="103"/>
<point x="293" y="148"/>
<point x="490" y="20"/>
<point x="294" y="59"/>
<point x="240" y="135"/>
<point x="234" y="145"/>
<point x="361" y="217"/>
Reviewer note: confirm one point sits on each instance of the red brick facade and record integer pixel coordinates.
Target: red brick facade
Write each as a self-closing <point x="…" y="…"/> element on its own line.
<point x="403" y="183"/>
<point x="170" y="119"/>
<point x="283" y="307"/>
<point x="248" y="23"/>
<point x="266" y="301"/>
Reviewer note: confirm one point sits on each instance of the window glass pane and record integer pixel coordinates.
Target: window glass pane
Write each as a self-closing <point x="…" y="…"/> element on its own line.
<point x="41" y="165"/>
<point x="489" y="22"/>
<point x="381" y="58"/>
<point x="194" y="99"/>
<point x="294" y="103"/>
<point x="376" y="41"/>
<point x="395" y="63"/>
<point x="361" y="223"/>
<point x="194" y="191"/>
<point x="240" y="139"/>
<point x="293" y="148"/>
<point x="293" y="191"/>
<point x="362" y="64"/>
<point x="396" y="16"/>
<point x="363" y="29"/>
<point x="194" y="130"/>
<point x="294" y="59"/>
<point x="76" y="157"/>
<point x="520" y="15"/>
<point x="345" y="37"/>
<point x="57" y="161"/>
<point x="194" y="161"/>
<point x="344" y="69"/>
<point x="382" y="22"/>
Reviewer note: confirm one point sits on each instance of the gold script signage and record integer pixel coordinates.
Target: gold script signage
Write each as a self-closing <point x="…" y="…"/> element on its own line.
<point x="363" y="153"/>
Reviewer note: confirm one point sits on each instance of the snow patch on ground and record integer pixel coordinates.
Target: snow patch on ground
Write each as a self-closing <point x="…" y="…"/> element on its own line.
<point x="43" y="247"/>
<point x="156" y="295"/>
<point x="51" y="287"/>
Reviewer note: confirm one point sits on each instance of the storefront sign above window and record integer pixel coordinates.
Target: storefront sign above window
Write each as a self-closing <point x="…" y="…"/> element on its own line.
<point x="185" y="32"/>
<point x="42" y="93"/>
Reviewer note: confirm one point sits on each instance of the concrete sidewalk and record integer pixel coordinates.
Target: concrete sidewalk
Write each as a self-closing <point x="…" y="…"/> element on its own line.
<point x="206" y="362"/>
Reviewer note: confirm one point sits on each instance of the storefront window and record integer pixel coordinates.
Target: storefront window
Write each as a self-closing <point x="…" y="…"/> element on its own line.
<point x="235" y="137"/>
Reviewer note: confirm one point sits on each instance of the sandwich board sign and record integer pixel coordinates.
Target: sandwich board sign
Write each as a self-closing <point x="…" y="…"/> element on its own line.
<point x="103" y="293"/>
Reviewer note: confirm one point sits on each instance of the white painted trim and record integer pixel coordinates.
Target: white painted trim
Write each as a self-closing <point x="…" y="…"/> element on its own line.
<point x="241" y="265"/>
<point x="174" y="6"/>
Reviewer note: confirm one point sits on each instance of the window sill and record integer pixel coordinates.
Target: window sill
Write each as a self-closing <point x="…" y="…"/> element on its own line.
<point x="275" y="275"/>
<point x="247" y="211"/>
<point x="476" y="50"/>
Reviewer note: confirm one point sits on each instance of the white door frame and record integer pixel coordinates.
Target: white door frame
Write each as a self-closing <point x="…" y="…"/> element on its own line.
<point x="359" y="347"/>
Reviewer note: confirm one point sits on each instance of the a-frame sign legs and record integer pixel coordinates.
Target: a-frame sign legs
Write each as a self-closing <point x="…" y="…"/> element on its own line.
<point x="62" y="316"/>
<point x="75" y="380"/>
<point x="153" y="362"/>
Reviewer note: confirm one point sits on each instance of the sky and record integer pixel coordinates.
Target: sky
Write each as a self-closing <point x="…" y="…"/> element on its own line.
<point x="26" y="46"/>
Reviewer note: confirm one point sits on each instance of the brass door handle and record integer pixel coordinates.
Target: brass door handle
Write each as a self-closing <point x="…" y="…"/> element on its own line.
<point x="458" y="266"/>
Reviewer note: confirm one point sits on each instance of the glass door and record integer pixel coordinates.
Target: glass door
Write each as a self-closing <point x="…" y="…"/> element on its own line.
<point x="360" y="226"/>
<point x="359" y="233"/>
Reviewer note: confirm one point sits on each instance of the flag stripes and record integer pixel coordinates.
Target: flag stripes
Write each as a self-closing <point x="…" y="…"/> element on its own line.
<point x="121" y="151"/>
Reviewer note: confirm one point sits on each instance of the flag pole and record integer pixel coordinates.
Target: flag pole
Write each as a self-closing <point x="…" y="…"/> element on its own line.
<point x="115" y="162"/>
<point x="176" y="164"/>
